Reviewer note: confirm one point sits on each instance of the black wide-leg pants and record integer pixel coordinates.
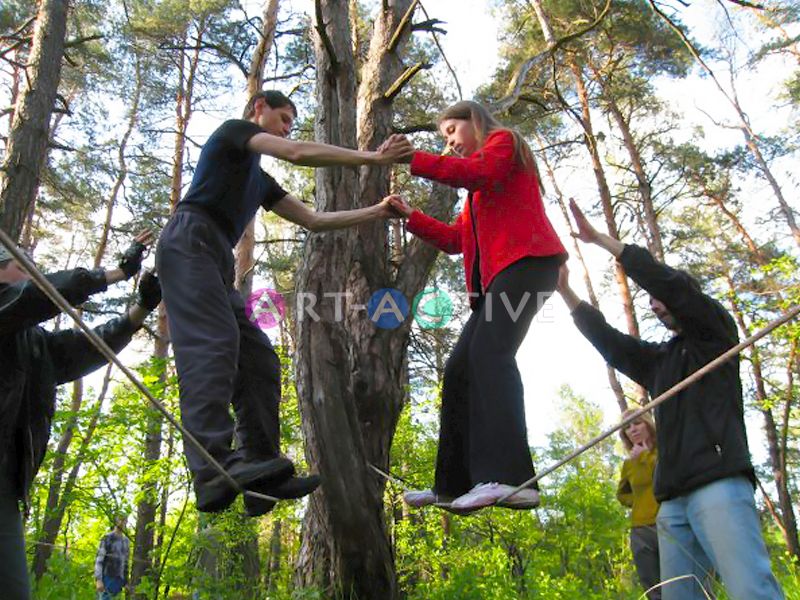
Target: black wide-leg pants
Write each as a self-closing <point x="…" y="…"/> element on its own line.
<point x="483" y="436"/>
<point x="221" y="357"/>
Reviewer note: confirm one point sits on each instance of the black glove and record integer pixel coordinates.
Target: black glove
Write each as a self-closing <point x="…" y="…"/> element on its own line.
<point x="149" y="293"/>
<point x="131" y="260"/>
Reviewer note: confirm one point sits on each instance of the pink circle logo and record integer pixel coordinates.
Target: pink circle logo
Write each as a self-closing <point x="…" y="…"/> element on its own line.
<point x="266" y="308"/>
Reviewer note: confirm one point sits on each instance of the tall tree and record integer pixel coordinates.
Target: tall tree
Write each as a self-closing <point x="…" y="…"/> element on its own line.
<point x="26" y="148"/>
<point x="350" y="373"/>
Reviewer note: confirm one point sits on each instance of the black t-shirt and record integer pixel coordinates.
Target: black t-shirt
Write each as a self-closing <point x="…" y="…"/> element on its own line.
<point x="228" y="181"/>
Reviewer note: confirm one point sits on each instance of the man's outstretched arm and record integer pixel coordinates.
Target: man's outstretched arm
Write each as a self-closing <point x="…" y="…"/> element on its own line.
<point x="292" y="209"/>
<point x="315" y="154"/>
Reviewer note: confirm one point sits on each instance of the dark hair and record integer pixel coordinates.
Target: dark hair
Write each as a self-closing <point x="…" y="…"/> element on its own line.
<point x="273" y="98"/>
<point x="5" y="263"/>
<point x="485" y="123"/>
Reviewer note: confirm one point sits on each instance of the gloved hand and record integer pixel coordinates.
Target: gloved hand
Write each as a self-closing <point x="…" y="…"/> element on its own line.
<point x="131" y="260"/>
<point x="148" y="295"/>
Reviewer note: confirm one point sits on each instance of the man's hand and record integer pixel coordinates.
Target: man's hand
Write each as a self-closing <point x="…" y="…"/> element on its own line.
<point x="588" y="234"/>
<point x="98" y="585"/>
<point x="396" y="149"/>
<point x="586" y="231"/>
<point x="131" y="260"/>
<point x="399" y="206"/>
<point x="570" y="298"/>
<point x="563" y="279"/>
<point x="149" y="293"/>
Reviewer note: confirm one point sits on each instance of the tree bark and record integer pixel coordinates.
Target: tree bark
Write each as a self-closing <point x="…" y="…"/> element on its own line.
<point x="349" y="372"/>
<point x="30" y="129"/>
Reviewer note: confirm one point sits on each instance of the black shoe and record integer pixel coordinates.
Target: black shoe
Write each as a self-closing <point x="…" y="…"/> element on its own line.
<point x="216" y="494"/>
<point x="290" y="489"/>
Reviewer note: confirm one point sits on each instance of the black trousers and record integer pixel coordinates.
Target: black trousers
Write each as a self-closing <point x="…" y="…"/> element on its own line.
<point x="483" y="436"/>
<point x="13" y="561"/>
<point x="221" y="357"/>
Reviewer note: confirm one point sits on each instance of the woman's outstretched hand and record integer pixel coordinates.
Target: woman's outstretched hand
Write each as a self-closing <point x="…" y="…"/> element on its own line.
<point x="399" y="206"/>
<point x="396" y="149"/>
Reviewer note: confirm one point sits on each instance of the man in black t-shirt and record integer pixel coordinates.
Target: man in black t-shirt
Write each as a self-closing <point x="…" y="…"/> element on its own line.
<point x="221" y="357"/>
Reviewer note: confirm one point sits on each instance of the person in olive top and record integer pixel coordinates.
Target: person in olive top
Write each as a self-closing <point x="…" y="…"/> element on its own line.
<point x="704" y="478"/>
<point x="220" y="356"/>
<point x="635" y="490"/>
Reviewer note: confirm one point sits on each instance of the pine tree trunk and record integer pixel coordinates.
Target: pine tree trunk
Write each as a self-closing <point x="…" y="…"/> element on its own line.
<point x="30" y="129"/>
<point x="349" y="372"/>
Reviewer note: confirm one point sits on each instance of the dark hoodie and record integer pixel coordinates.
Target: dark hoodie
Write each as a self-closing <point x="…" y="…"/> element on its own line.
<point x="34" y="361"/>
<point x="701" y="432"/>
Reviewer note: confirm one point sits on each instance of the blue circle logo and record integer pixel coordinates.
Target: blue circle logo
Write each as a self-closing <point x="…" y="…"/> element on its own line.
<point x="387" y="308"/>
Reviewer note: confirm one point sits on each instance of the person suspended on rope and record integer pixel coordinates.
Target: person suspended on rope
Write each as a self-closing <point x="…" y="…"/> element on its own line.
<point x="704" y="477"/>
<point x="511" y="258"/>
<point x="222" y="358"/>
<point x="635" y="490"/>
<point x="35" y="361"/>
<point x="111" y="561"/>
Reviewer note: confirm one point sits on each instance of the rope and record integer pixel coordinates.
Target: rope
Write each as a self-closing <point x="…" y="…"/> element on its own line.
<point x="53" y="294"/>
<point x="681" y="385"/>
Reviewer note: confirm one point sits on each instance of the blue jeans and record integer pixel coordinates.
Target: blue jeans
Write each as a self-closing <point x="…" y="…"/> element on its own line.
<point x="715" y="527"/>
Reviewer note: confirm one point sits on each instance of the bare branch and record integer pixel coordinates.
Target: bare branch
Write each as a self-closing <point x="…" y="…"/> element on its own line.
<point x="395" y="39"/>
<point x="747" y="4"/>
<point x="431" y="127"/>
<point x="290" y="75"/>
<point x="429" y="25"/>
<point x="83" y="40"/>
<point x="441" y="51"/>
<point x="515" y="87"/>
<point x="404" y="78"/>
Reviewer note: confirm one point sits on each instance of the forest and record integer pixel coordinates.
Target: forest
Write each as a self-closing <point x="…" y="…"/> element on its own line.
<point x="674" y="123"/>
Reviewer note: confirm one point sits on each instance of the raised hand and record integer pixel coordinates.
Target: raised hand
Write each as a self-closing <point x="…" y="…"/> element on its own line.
<point x="586" y="231"/>
<point x="130" y="261"/>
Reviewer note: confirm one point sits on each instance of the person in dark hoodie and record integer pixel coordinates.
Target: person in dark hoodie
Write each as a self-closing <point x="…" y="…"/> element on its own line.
<point x="33" y="361"/>
<point x="704" y="478"/>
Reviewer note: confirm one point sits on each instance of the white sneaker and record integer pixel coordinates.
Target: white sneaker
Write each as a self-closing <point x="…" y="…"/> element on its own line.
<point x="525" y="499"/>
<point x="420" y="498"/>
<point x="487" y="494"/>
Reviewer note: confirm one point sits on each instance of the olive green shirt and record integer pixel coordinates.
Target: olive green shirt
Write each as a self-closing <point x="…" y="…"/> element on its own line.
<point x="636" y="488"/>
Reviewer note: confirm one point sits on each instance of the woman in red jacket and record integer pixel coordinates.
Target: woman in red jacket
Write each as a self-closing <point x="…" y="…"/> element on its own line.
<point x="511" y="258"/>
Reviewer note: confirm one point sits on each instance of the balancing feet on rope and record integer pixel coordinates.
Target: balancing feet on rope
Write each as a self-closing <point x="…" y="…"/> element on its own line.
<point x="289" y="489"/>
<point x="482" y="495"/>
<point x="217" y="494"/>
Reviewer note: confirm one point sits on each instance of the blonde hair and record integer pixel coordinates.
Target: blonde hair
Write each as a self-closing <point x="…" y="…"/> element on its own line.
<point x="485" y="123"/>
<point x="645" y="418"/>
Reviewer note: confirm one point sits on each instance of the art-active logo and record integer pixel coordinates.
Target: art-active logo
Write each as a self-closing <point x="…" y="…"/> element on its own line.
<point x="387" y="308"/>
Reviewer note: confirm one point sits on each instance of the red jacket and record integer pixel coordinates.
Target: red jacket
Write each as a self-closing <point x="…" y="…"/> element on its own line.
<point x="510" y="221"/>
